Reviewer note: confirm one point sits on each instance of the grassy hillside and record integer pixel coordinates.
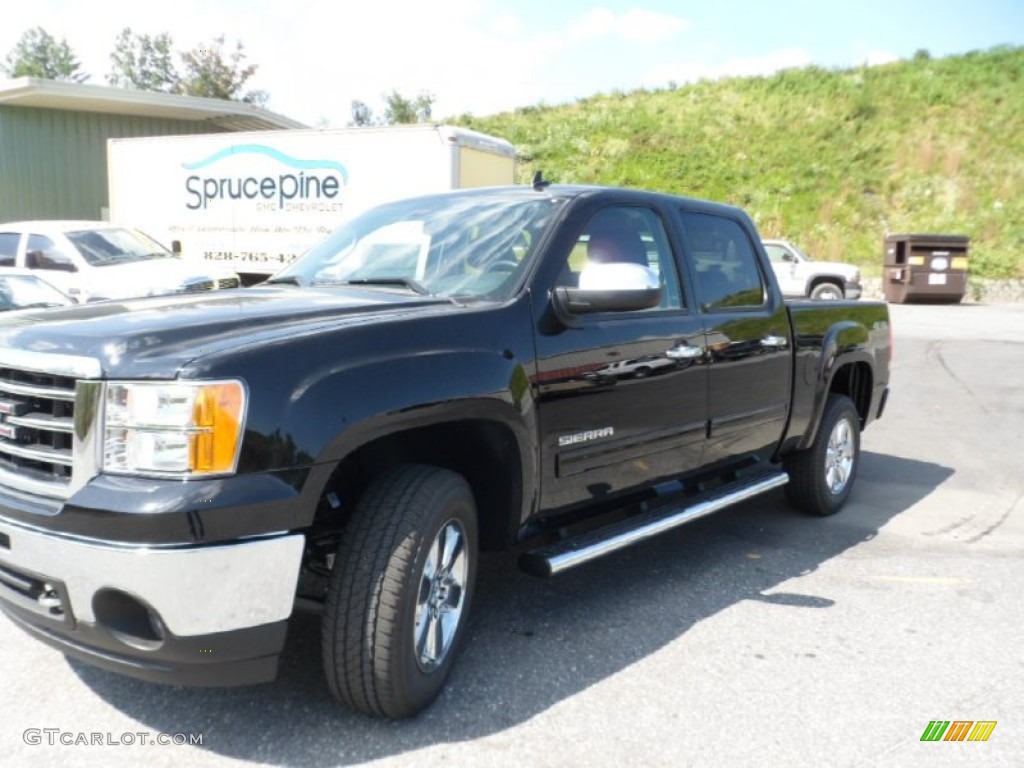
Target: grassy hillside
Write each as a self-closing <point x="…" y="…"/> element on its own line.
<point x="832" y="159"/>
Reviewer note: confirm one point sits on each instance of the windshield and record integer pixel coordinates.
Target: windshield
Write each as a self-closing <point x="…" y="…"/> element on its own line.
<point x="21" y="291"/>
<point x="103" y="247"/>
<point x="466" y="247"/>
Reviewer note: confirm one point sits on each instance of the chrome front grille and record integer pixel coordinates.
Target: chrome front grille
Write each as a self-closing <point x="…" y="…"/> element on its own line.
<point x="36" y="424"/>
<point x="42" y="444"/>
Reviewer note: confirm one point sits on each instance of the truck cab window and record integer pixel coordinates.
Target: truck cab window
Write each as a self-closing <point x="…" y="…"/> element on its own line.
<point x="626" y="235"/>
<point x="726" y="266"/>
<point x="777" y="254"/>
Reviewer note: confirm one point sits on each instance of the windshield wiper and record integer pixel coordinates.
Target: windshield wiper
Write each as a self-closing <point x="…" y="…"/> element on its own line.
<point x="406" y="282"/>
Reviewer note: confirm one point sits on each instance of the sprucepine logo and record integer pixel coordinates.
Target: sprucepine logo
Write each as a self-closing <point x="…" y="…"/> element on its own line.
<point x="315" y="180"/>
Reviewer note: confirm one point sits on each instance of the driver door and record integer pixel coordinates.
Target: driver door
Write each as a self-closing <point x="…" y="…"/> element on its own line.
<point x="622" y="398"/>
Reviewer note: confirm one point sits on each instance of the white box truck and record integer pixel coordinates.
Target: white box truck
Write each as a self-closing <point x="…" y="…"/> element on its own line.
<point x="256" y="201"/>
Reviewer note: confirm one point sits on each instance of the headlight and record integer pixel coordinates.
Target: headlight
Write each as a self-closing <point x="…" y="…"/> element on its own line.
<point x="179" y="428"/>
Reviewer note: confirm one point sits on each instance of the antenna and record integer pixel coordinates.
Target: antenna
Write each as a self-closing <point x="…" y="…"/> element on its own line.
<point x="539" y="182"/>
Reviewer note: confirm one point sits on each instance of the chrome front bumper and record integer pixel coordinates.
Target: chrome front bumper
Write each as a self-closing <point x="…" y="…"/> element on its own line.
<point x="193" y="590"/>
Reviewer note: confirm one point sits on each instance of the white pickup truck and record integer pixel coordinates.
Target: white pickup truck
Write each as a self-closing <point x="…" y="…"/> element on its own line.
<point x="95" y="260"/>
<point x="800" y="276"/>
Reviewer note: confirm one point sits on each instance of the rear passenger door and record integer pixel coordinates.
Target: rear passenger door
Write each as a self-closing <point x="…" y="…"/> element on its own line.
<point x="747" y="337"/>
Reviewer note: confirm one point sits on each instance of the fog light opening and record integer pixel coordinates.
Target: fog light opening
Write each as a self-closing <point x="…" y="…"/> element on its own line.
<point x="128" y="619"/>
<point x="49" y="599"/>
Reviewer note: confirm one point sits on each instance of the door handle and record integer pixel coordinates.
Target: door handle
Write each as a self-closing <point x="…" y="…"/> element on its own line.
<point x="684" y="352"/>
<point x="774" y="342"/>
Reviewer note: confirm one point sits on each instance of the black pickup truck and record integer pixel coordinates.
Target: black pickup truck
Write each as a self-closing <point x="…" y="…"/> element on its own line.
<point x="556" y="371"/>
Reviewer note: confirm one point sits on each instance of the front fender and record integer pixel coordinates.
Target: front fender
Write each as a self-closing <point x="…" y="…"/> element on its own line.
<point x="441" y="387"/>
<point x="319" y="395"/>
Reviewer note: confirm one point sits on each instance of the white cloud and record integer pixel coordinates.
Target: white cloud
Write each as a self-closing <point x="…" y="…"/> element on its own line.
<point x="506" y="25"/>
<point x="594" y="25"/>
<point x="877" y="57"/>
<point x="634" y="26"/>
<point x="769" y="63"/>
<point x="467" y="59"/>
<point x="766" y="64"/>
<point x="638" y="26"/>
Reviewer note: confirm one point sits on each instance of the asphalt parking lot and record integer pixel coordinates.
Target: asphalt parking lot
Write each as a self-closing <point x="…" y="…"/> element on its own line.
<point x="754" y="637"/>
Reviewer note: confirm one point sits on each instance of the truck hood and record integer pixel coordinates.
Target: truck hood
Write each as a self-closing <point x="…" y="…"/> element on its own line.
<point x="155" y="337"/>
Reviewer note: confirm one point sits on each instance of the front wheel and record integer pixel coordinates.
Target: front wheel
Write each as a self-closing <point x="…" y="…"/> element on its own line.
<point x="827" y="292"/>
<point x="820" y="477"/>
<point x="400" y="591"/>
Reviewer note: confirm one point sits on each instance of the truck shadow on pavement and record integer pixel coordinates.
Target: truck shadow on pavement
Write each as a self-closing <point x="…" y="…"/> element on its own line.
<point x="534" y="643"/>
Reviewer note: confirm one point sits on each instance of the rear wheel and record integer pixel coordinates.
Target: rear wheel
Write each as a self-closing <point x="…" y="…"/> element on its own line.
<point x="820" y="477"/>
<point x="400" y="591"/>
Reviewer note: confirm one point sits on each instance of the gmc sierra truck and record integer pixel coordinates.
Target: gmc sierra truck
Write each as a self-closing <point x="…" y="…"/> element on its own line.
<point x="556" y="371"/>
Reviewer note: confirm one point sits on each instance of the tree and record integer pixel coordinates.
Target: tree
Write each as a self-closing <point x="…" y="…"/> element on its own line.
<point x="208" y="72"/>
<point x="144" y="62"/>
<point x="399" y="109"/>
<point x="39" y="54"/>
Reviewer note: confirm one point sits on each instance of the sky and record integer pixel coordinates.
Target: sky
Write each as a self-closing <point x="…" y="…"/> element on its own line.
<point x="315" y="57"/>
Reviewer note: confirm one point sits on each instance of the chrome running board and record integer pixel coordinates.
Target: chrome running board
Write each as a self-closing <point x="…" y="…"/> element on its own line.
<point x="560" y="556"/>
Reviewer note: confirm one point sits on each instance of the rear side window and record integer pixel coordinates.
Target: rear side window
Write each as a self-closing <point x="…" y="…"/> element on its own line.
<point x="8" y="248"/>
<point x="726" y="266"/>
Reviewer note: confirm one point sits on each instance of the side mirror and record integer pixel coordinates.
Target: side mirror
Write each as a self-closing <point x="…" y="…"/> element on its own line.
<point x="611" y="287"/>
<point x="787" y="256"/>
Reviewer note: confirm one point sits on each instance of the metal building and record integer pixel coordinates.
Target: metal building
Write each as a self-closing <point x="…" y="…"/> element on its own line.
<point x="53" y="139"/>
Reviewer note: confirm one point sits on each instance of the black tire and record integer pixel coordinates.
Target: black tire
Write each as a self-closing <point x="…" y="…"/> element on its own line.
<point x="827" y="291"/>
<point x="371" y="660"/>
<point x="816" y="478"/>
